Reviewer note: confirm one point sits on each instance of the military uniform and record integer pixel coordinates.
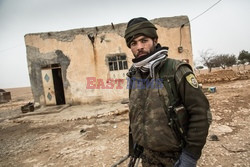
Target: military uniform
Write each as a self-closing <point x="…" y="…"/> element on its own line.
<point x="153" y="105"/>
<point x="149" y="122"/>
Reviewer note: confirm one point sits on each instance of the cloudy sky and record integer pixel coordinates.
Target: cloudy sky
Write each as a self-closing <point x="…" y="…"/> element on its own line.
<point x="223" y="29"/>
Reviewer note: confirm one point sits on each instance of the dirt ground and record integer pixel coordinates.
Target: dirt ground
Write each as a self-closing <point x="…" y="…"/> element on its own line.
<point x="47" y="139"/>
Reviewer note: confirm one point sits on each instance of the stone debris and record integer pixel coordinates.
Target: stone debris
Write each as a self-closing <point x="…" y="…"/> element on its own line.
<point x="213" y="138"/>
<point x="222" y="76"/>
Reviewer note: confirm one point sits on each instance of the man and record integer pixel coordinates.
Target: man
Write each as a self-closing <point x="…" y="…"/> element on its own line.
<point x="152" y="109"/>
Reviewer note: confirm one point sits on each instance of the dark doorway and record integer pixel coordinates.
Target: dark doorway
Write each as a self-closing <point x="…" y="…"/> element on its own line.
<point x="58" y="86"/>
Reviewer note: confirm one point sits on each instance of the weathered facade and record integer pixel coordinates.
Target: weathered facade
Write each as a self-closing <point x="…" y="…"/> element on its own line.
<point x="89" y="64"/>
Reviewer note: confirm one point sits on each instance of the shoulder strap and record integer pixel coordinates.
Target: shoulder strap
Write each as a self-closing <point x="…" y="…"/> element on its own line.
<point x="130" y="74"/>
<point x="168" y="75"/>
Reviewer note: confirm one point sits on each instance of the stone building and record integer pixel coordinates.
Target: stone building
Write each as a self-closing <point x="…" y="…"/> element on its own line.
<point x="90" y="64"/>
<point x="4" y="96"/>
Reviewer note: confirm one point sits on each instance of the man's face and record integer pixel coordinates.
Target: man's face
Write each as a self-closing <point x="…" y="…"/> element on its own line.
<point x="142" y="46"/>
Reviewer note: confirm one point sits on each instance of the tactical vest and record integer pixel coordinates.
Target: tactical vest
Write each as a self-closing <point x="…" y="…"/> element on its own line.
<point x="153" y="120"/>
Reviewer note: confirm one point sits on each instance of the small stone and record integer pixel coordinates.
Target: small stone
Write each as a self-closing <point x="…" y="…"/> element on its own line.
<point x="213" y="138"/>
<point x="82" y="131"/>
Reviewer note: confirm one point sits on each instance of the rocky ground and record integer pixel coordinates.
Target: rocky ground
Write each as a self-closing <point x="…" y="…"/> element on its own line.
<point x="51" y="140"/>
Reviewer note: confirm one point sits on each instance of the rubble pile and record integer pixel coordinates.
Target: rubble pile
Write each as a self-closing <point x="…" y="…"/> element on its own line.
<point x="222" y="76"/>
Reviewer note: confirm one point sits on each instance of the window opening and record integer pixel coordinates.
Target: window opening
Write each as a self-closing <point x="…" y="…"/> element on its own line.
<point x="117" y="62"/>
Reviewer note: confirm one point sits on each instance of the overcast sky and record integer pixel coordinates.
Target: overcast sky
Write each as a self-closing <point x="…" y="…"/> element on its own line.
<point x="224" y="28"/>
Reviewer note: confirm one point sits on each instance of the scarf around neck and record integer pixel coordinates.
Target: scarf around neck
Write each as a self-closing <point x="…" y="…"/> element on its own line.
<point x="149" y="62"/>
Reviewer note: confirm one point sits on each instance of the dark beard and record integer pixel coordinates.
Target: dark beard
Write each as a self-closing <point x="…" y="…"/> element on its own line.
<point x="154" y="50"/>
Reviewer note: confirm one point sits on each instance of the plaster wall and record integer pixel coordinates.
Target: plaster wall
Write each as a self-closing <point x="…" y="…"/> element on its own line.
<point x="82" y="55"/>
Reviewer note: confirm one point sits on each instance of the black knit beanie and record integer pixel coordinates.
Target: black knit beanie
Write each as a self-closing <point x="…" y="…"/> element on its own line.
<point x="138" y="26"/>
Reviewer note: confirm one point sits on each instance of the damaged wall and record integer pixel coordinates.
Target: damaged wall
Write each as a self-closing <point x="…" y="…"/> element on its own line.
<point x="83" y="57"/>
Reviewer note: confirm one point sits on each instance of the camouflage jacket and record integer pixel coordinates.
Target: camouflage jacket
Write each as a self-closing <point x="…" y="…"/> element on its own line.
<point x="148" y="121"/>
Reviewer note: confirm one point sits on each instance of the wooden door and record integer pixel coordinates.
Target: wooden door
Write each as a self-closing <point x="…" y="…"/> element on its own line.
<point x="48" y="87"/>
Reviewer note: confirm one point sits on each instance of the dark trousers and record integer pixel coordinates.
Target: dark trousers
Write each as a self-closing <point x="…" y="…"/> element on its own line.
<point x="159" y="159"/>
